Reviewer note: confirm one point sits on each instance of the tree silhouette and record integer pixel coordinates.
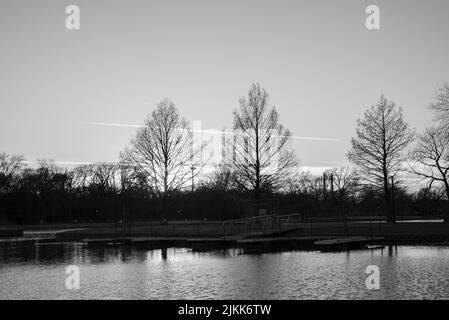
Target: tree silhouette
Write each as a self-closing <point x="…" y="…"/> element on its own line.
<point x="441" y="106"/>
<point x="431" y="155"/>
<point x="10" y="165"/>
<point x="258" y="152"/>
<point x="163" y="150"/>
<point x="378" y="148"/>
<point x="345" y="182"/>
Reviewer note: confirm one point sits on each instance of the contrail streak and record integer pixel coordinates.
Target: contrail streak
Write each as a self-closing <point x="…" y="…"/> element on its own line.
<point x="61" y="162"/>
<point x="113" y="124"/>
<point x="202" y="131"/>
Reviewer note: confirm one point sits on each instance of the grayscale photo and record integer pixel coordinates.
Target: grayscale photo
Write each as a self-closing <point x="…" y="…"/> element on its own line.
<point x="246" y="152"/>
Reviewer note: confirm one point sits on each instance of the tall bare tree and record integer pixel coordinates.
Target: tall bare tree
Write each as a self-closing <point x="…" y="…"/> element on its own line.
<point x="441" y="105"/>
<point x="163" y="150"/>
<point x="378" y="148"/>
<point x="431" y="157"/>
<point x="259" y="153"/>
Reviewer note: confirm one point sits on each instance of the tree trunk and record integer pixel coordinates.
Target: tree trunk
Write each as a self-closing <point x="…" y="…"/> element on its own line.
<point x="446" y="184"/>
<point x="387" y="197"/>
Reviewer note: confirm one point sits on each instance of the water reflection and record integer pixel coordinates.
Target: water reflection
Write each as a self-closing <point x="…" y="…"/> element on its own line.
<point x="77" y="253"/>
<point x="164" y="253"/>
<point x="114" y="272"/>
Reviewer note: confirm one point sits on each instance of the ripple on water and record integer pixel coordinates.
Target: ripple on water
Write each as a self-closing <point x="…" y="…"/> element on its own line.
<point x="38" y="272"/>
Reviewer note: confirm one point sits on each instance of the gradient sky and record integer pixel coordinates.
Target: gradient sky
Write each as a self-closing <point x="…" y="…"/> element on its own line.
<point x="320" y="65"/>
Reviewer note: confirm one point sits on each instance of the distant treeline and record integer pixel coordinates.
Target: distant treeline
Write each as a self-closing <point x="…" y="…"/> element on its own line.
<point x="102" y="192"/>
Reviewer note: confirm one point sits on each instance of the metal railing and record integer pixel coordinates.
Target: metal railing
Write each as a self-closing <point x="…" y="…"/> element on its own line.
<point x="261" y="225"/>
<point x="344" y="226"/>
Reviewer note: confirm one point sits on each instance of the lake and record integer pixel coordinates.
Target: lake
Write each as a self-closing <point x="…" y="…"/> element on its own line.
<point x="116" y="272"/>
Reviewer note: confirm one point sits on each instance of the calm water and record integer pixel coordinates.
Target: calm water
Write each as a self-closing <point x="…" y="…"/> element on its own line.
<point x="38" y="272"/>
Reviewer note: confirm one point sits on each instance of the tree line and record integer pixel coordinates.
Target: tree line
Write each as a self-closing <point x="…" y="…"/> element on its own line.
<point x="168" y="171"/>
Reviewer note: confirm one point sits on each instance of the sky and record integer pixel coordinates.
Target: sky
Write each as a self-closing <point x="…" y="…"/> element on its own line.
<point x="321" y="66"/>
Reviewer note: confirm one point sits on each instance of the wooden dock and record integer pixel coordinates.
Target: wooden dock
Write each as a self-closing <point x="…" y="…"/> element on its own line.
<point x="273" y="244"/>
<point x="249" y="245"/>
<point x="342" y="244"/>
<point x="252" y="244"/>
<point x="207" y="244"/>
<point x="7" y="233"/>
<point x="147" y="242"/>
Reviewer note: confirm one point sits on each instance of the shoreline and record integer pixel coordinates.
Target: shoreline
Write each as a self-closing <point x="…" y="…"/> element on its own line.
<point x="206" y="236"/>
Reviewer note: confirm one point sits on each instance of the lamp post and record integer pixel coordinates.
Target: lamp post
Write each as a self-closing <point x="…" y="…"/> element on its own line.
<point x="393" y="200"/>
<point x="193" y="177"/>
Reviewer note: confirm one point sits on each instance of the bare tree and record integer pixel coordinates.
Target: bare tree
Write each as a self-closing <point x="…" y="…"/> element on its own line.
<point x="431" y="157"/>
<point x="303" y="182"/>
<point x="127" y="177"/>
<point x="51" y="178"/>
<point x="221" y="179"/>
<point x="378" y="148"/>
<point x="163" y="151"/>
<point x="104" y="177"/>
<point x="260" y="157"/>
<point x="10" y="166"/>
<point x="345" y="182"/>
<point x="81" y="177"/>
<point x="441" y="105"/>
